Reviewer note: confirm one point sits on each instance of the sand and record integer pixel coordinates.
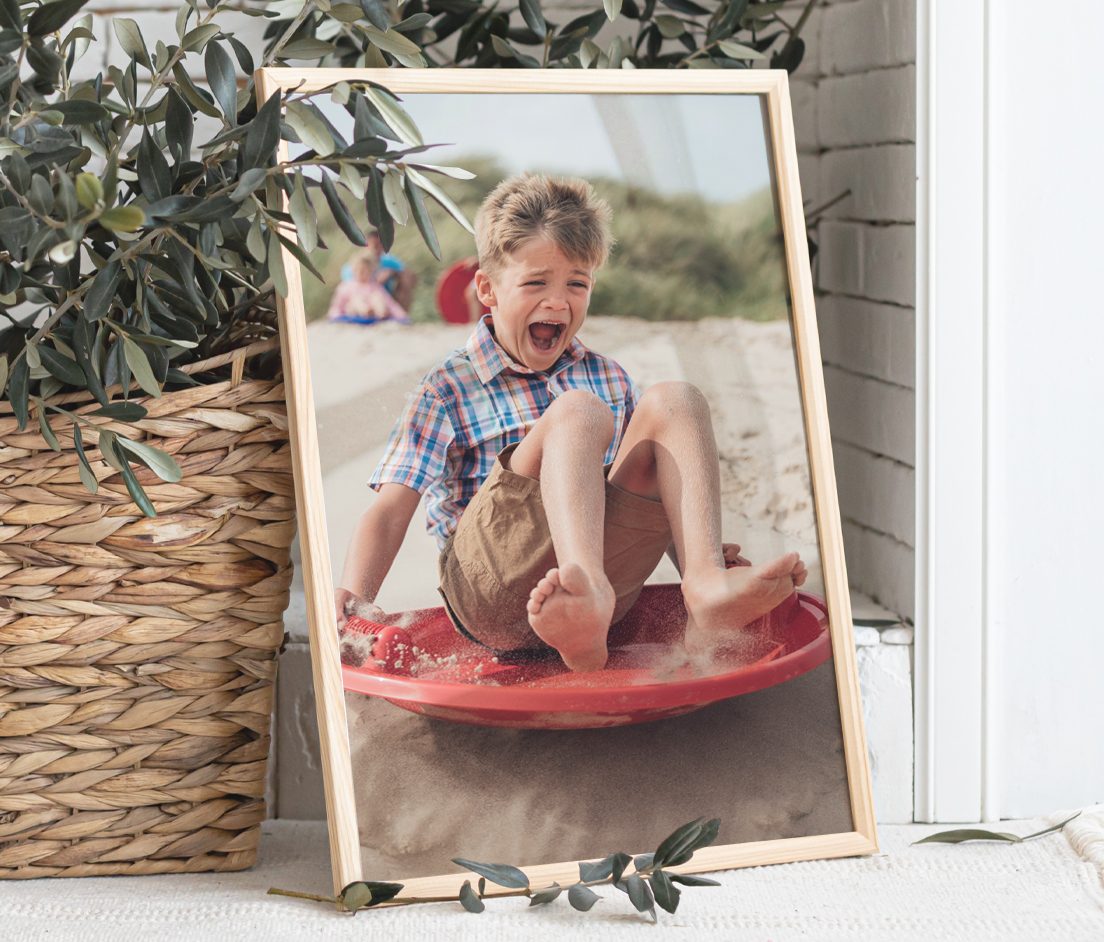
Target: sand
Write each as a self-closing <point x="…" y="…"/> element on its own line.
<point x="768" y="764"/>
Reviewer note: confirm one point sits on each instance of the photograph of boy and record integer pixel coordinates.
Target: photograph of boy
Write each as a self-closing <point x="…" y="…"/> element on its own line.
<point x="620" y="413"/>
<point x="554" y="487"/>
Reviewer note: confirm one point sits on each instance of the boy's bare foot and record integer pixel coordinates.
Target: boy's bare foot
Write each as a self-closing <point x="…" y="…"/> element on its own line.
<point x="722" y="600"/>
<point x="571" y="611"/>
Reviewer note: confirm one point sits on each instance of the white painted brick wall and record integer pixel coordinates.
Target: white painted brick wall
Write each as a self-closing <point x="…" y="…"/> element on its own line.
<point x="868" y="338"/>
<point x="870" y="108"/>
<point x="872" y="414"/>
<point x="874" y="176"/>
<point x="868" y="34"/>
<point x="867" y="261"/>
<point x="876" y="483"/>
<point x="881" y="567"/>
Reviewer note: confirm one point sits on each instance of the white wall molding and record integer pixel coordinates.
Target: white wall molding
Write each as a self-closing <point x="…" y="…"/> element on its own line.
<point x="950" y="409"/>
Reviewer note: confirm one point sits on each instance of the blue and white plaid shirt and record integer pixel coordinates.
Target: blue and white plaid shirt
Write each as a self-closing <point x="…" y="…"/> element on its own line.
<point x="476" y="403"/>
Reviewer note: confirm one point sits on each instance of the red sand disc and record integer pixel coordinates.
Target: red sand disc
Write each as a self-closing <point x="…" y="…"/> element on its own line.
<point x="451" y="301"/>
<point x="441" y="674"/>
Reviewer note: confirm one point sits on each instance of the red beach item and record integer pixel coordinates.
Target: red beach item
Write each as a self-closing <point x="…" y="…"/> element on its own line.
<point x="451" y="301"/>
<point x="424" y="665"/>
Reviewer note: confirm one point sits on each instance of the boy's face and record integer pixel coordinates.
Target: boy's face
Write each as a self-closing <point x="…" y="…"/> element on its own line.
<point x="538" y="302"/>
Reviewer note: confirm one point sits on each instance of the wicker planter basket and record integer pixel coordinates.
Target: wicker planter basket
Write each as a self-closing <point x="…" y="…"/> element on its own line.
<point x="137" y="655"/>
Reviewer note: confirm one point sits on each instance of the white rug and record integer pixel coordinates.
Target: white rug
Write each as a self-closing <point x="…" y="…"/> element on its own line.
<point x="1051" y="888"/>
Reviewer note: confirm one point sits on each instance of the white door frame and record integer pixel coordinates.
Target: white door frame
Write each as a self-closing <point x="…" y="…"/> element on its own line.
<point x="957" y="613"/>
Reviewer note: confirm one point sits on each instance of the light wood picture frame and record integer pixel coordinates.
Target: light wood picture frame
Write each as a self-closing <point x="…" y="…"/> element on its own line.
<point x="771" y="87"/>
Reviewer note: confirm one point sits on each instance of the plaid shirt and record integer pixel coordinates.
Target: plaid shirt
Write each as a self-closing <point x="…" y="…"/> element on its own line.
<point x="473" y="405"/>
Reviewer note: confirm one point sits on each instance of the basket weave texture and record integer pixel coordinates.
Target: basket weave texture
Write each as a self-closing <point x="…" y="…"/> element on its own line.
<point x="137" y="655"/>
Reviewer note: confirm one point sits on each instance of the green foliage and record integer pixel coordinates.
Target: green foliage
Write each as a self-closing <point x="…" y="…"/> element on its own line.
<point x="648" y="885"/>
<point x="128" y="248"/>
<point x="676" y="257"/>
<point x="668" y="34"/>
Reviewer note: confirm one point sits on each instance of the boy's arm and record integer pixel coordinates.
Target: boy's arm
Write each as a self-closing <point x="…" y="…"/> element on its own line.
<point x="415" y="457"/>
<point x="375" y="543"/>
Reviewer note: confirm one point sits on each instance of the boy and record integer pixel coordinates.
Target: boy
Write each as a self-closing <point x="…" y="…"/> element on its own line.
<point x="552" y="486"/>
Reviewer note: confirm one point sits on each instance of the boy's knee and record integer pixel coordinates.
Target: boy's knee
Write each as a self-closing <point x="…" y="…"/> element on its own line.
<point x="673" y="398"/>
<point x="583" y="409"/>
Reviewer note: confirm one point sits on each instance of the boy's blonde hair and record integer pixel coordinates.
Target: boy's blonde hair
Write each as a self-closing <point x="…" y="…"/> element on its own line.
<point x="566" y="211"/>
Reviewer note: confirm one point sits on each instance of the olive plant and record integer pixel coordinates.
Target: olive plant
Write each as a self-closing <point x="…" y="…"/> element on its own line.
<point x="138" y="222"/>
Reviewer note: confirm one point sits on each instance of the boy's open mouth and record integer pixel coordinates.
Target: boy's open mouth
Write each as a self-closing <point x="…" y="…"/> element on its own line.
<point x="545" y="334"/>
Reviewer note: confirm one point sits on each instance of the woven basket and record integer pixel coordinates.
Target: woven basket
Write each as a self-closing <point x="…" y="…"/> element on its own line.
<point x="137" y="655"/>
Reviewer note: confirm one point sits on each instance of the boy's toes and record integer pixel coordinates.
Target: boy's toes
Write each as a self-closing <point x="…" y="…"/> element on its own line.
<point x="782" y="566"/>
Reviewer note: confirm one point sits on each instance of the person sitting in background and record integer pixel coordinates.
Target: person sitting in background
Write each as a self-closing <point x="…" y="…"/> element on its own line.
<point x="363" y="298"/>
<point x="399" y="280"/>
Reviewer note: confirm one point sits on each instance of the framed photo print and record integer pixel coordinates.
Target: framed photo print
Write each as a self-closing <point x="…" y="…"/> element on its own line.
<point x="568" y="523"/>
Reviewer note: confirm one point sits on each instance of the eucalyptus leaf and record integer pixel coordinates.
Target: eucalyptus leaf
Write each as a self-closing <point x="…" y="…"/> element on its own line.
<point x="470" y="900"/>
<point x="689" y="879"/>
<point x="546" y="895"/>
<point x="502" y="874"/>
<point x="581" y="897"/>
<point x="665" y="892"/>
<point x="640" y="894"/>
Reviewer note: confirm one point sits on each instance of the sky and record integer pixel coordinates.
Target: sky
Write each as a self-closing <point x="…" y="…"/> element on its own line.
<point x="710" y="145"/>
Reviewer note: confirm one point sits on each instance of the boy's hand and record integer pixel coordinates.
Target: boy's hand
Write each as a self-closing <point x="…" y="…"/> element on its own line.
<point x="732" y="555"/>
<point x="348" y="603"/>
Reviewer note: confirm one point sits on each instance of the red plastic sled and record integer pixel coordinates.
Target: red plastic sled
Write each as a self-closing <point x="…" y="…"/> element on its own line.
<point x="427" y="667"/>
<point x="451" y="301"/>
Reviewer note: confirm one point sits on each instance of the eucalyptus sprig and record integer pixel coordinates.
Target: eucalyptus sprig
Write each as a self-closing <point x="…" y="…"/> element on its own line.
<point x="650" y="882"/>
<point x="962" y="835"/>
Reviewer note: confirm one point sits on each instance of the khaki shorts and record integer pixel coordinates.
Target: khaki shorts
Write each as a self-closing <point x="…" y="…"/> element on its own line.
<point x="502" y="548"/>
